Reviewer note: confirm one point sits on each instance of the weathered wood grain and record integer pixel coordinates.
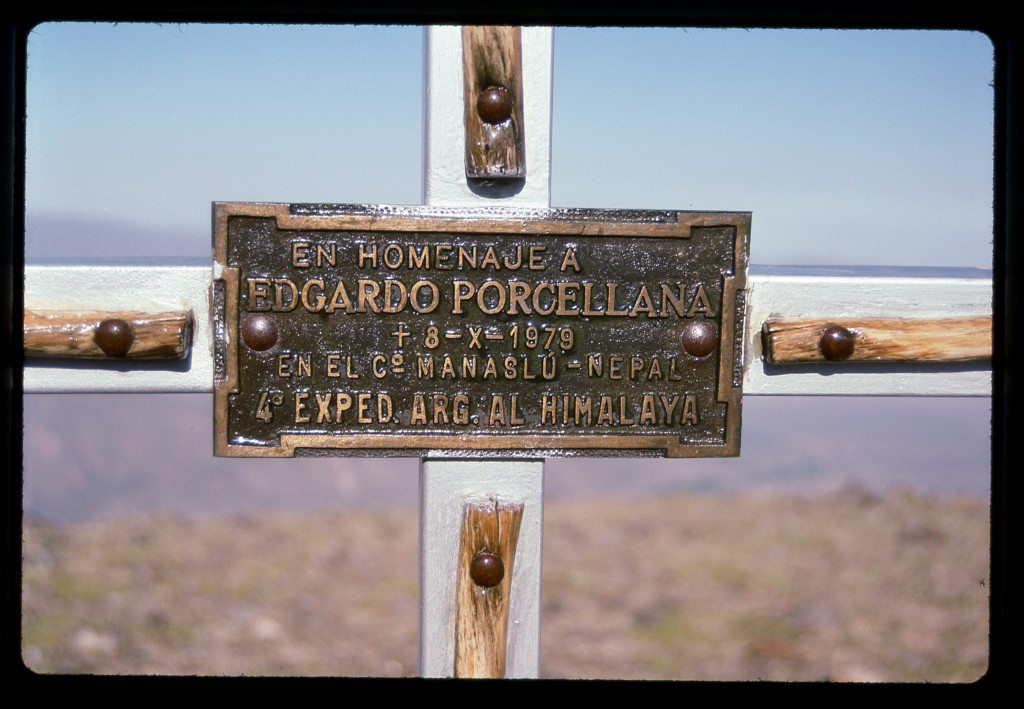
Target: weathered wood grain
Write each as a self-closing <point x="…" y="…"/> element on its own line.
<point x="793" y="341"/>
<point x="481" y="624"/>
<point x="57" y="333"/>
<point x="492" y="57"/>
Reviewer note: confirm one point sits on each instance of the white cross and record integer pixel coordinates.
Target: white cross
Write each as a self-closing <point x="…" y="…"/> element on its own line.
<point x="445" y="484"/>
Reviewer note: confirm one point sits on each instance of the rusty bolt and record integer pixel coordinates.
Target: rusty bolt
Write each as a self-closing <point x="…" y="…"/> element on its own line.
<point x="836" y="342"/>
<point x="486" y="569"/>
<point x="494" y="104"/>
<point x="699" y="338"/>
<point x="114" y="336"/>
<point x="259" y="332"/>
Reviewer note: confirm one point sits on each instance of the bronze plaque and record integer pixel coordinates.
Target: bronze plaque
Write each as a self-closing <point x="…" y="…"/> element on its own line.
<point x="376" y="330"/>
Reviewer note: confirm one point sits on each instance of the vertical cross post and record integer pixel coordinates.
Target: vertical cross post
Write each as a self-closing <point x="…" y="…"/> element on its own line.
<point x="446" y="483"/>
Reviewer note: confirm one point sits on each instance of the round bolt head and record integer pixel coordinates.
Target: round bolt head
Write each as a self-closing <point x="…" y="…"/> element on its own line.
<point x="114" y="336"/>
<point x="259" y="332"/>
<point x="836" y="342"/>
<point x="699" y="338"/>
<point x="486" y="569"/>
<point x="494" y="104"/>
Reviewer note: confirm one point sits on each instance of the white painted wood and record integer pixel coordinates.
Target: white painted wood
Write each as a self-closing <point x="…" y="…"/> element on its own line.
<point x="852" y="297"/>
<point x="145" y="288"/>
<point x="188" y="287"/>
<point x="446" y="484"/>
<point x="444" y="152"/>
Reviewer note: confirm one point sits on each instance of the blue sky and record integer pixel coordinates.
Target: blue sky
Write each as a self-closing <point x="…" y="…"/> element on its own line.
<point x="850" y="147"/>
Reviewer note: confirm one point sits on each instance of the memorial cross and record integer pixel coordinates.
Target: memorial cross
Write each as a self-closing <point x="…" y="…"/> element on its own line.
<point x="797" y="328"/>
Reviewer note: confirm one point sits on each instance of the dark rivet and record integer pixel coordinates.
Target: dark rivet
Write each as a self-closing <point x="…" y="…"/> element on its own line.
<point x="259" y="332"/>
<point x="494" y="104"/>
<point x="114" y="337"/>
<point x="699" y="338"/>
<point x="486" y="569"/>
<point x="836" y="342"/>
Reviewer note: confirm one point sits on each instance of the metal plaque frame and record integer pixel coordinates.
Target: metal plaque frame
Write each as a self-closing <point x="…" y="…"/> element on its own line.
<point x="362" y="330"/>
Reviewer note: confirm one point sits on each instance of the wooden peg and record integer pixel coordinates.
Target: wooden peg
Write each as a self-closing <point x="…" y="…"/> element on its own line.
<point x="490" y="530"/>
<point x="492" y="69"/>
<point x="129" y="334"/>
<point x="792" y="341"/>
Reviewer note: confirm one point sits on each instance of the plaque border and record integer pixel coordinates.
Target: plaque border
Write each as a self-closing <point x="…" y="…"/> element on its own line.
<point x="484" y="220"/>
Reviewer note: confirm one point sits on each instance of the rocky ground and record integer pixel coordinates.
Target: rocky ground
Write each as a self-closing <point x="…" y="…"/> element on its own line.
<point x="847" y="586"/>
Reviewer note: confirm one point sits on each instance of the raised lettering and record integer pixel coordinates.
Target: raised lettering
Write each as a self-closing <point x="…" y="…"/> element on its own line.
<point x="300" y="254"/>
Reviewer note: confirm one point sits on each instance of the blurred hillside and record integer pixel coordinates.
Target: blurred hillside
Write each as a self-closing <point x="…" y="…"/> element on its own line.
<point x="844" y="586"/>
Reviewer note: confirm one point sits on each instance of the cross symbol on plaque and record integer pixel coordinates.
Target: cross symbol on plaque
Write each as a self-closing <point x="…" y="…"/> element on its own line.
<point x="401" y="333"/>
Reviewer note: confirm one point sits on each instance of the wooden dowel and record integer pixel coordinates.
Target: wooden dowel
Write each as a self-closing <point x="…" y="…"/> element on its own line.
<point x="492" y="67"/>
<point x="877" y="340"/>
<point x="490" y="530"/>
<point x="128" y="334"/>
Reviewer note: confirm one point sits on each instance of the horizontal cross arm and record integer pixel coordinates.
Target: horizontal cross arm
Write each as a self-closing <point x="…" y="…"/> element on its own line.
<point x="839" y="299"/>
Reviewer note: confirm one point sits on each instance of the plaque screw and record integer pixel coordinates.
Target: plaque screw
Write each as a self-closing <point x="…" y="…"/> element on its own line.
<point x="699" y="338"/>
<point x="259" y="332"/>
<point x="836" y="342"/>
<point x="114" y="336"/>
<point x="487" y="569"/>
<point x="494" y="104"/>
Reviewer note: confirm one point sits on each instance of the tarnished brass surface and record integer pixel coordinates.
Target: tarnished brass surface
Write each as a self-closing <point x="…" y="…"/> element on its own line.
<point x="376" y="330"/>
